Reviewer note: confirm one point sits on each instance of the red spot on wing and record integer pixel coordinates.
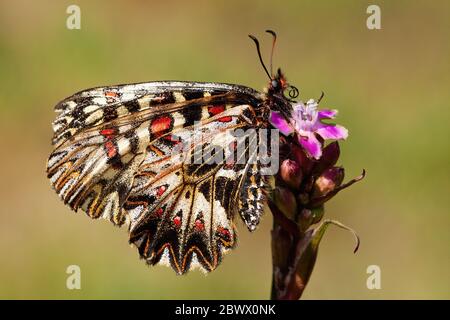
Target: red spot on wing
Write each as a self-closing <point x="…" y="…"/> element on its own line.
<point x="224" y="232"/>
<point x="107" y="132"/>
<point x="160" y="125"/>
<point x="199" y="225"/>
<point x="229" y="164"/>
<point x="215" y="110"/>
<point x="159" y="212"/>
<point x="225" y="119"/>
<point x="177" y="221"/>
<point x="161" y="190"/>
<point x="111" y="94"/>
<point x="111" y="149"/>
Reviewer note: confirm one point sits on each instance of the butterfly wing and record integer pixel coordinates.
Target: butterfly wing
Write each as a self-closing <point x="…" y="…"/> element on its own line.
<point x="121" y="154"/>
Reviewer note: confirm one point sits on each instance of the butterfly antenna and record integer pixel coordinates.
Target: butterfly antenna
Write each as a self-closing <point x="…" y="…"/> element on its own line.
<point x="259" y="55"/>
<point x="321" y="97"/>
<point x="274" y="35"/>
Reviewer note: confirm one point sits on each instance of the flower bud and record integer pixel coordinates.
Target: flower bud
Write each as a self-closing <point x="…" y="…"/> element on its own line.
<point x="329" y="158"/>
<point x="328" y="181"/>
<point x="285" y="201"/>
<point x="291" y="173"/>
<point x="302" y="159"/>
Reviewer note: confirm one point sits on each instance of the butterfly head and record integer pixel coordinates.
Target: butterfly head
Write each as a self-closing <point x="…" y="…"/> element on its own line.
<point x="278" y="84"/>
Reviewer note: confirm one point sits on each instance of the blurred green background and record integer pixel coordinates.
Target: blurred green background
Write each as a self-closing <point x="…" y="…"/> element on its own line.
<point x="390" y="85"/>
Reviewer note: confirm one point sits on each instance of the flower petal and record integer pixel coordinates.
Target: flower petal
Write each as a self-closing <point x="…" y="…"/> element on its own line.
<point x="330" y="131"/>
<point x="279" y="122"/>
<point x="311" y="145"/>
<point x="327" y="114"/>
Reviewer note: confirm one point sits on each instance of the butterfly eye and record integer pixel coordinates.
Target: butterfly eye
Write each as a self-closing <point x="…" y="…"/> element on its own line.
<point x="274" y="83"/>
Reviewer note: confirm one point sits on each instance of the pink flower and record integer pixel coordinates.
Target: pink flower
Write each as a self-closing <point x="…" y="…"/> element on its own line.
<point x="307" y="123"/>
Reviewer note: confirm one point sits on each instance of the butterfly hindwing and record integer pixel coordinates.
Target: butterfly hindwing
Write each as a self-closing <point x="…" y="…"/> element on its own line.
<point x="183" y="212"/>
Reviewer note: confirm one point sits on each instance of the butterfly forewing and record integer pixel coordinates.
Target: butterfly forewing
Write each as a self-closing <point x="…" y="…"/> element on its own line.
<point x="143" y="154"/>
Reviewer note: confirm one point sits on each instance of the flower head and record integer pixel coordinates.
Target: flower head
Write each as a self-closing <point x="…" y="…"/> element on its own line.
<point x="307" y="123"/>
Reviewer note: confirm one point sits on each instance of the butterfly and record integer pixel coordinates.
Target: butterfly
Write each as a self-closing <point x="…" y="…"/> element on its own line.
<point x="114" y="158"/>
